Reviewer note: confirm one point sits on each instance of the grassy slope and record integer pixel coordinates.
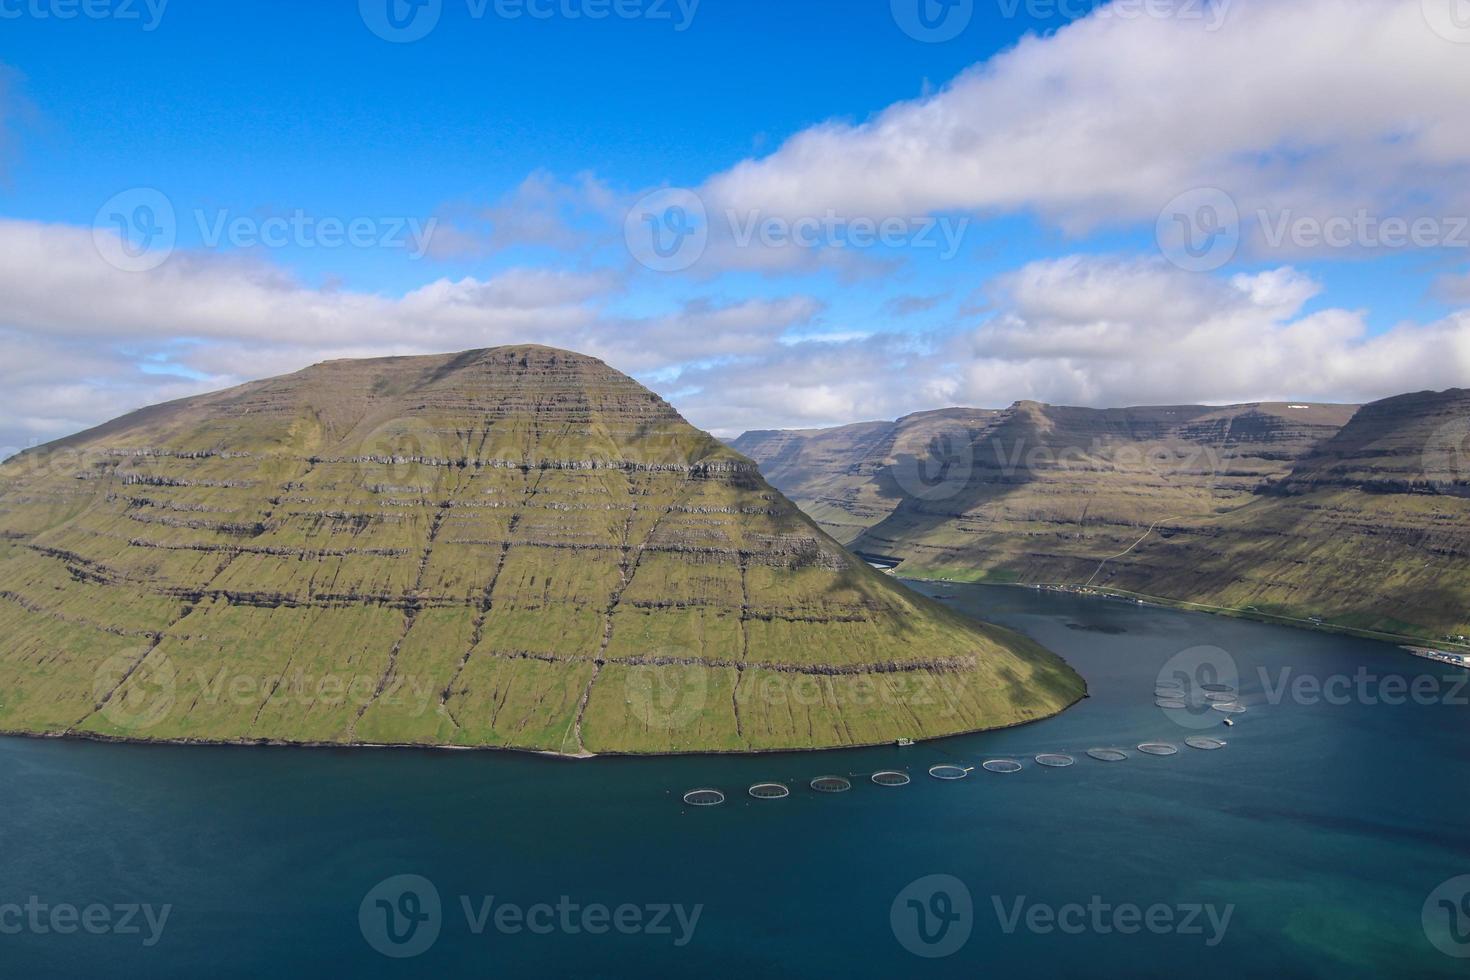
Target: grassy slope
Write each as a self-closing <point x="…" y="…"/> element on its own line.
<point x="1367" y="527"/>
<point x="516" y="548"/>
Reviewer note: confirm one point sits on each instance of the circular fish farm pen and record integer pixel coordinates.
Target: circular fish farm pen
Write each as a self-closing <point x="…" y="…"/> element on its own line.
<point x="1204" y="742"/>
<point x="1171" y="703"/>
<point x="1229" y="708"/>
<point x="1218" y="688"/>
<point x="1169" y="692"/>
<point x="770" y="791"/>
<point x="1108" y="755"/>
<point x="704" y="797"/>
<point x="1055" y="760"/>
<point x="1220" y="696"/>
<point x="831" y="784"/>
<point x="891" y="778"/>
<point x="948" y="772"/>
<point x="1003" y="766"/>
<point x="1158" y="748"/>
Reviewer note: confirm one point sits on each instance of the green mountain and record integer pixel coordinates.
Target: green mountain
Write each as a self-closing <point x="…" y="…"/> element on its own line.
<point x="515" y="547"/>
<point x="1358" y="517"/>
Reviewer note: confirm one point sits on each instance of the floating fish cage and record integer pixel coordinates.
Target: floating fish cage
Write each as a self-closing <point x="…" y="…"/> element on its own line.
<point x="831" y="784"/>
<point x="1171" y="703"/>
<point x="1229" y="708"/>
<point x="770" y="791"/>
<point x="1108" y="755"/>
<point x="1055" y="760"/>
<point x="1158" y="748"/>
<point x="704" y="797"/>
<point x="948" y="772"/>
<point x="891" y="778"/>
<point x="1218" y="688"/>
<point x="1003" y="766"/>
<point x="1169" y="692"/>
<point x="1204" y="742"/>
<point x="1221" y="696"/>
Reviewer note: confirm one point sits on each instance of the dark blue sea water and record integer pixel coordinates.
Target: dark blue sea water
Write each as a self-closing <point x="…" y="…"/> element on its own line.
<point x="1322" y="841"/>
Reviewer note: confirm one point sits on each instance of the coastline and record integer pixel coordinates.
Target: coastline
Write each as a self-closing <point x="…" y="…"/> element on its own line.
<point x="276" y="743"/>
<point x="1407" y="642"/>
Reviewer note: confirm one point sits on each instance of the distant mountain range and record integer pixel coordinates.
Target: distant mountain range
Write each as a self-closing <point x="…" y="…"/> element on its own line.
<point x="1359" y="516"/>
<point x="517" y="547"/>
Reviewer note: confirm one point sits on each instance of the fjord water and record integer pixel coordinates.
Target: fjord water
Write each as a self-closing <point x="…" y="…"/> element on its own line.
<point x="1323" y="827"/>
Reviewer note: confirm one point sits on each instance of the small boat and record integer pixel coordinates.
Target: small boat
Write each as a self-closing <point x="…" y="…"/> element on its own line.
<point x="904" y="743"/>
<point x="1229" y="722"/>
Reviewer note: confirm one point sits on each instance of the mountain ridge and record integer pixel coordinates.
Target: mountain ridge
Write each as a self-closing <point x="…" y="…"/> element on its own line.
<point x="1350" y="515"/>
<point x="507" y="547"/>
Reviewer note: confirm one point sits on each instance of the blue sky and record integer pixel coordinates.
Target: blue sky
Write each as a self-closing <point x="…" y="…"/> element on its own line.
<point x="1035" y="141"/>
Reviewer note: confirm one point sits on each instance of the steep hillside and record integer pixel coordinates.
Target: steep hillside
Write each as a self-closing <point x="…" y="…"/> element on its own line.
<point x="1357" y="517"/>
<point x="513" y="547"/>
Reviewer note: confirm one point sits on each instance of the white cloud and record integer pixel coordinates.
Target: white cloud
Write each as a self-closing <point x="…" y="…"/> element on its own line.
<point x="1098" y="332"/>
<point x="74" y="330"/>
<point x="1316" y="107"/>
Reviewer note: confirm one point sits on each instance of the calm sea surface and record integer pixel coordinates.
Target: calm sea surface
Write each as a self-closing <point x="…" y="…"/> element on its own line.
<point x="1315" y="844"/>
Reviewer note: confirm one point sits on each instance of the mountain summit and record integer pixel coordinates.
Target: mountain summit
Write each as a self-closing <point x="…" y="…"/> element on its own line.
<point x="515" y="547"/>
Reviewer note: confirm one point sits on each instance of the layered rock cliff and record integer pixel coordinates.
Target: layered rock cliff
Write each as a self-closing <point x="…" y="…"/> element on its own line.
<point x="1355" y="516"/>
<point x="514" y="547"/>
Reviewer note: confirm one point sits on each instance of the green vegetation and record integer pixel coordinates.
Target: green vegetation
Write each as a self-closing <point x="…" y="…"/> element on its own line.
<point x="1359" y="518"/>
<point x="516" y="547"/>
